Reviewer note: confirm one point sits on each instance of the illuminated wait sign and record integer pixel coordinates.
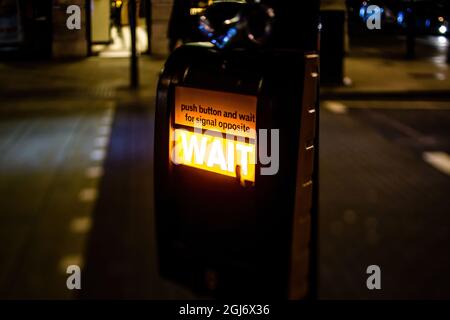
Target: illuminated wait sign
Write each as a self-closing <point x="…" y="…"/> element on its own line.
<point x="228" y="157"/>
<point x="204" y="111"/>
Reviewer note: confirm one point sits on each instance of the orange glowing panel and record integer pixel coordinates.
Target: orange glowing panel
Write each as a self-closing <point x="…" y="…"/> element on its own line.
<point x="206" y="152"/>
<point x="223" y="112"/>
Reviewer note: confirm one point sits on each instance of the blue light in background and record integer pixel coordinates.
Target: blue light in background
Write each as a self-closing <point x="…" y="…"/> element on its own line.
<point x="221" y="41"/>
<point x="400" y="17"/>
<point x="362" y="12"/>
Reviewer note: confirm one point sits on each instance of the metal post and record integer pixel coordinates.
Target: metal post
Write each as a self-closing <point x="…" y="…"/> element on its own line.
<point x="148" y="21"/>
<point x="88" y="27"/>
<point x="134" y="80"/>
<point x="448" y="33"/>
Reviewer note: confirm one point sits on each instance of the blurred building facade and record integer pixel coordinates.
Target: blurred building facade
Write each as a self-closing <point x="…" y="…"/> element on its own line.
<point x="37" y="28"/>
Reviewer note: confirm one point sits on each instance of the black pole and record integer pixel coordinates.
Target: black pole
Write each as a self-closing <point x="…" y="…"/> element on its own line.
<point x="411" y="32"/>
<point x="134" y="80"/>
<point x="88" y="27"/>
<point x="448" y="33"/>
<point x="148" y="21"/>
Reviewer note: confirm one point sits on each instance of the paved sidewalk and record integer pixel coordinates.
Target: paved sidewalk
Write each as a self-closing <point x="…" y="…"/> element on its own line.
<point x="31" y="84"/>
<point x="56" y="120"/>
<point x="383" y="71"/>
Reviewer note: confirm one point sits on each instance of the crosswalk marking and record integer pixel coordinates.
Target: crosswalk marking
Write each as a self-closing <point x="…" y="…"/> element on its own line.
<point x="335" y="107"/>
<point x="439" y="160"/>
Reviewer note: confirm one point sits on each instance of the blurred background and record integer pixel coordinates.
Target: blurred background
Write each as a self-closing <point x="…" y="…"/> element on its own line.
<point x="76" y="146"/>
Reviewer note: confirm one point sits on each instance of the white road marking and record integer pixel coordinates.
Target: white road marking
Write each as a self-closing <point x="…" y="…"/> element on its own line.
<point x="101" y="142"/>
<point x="440" y="76"/>
<point x="106" y="120"/>
<point x="347" y="81"/>
<point x="88" y="195"/>
<point x="439" y="160"/>
<point x="80" y="225"/>
<point x="94" y="172"/>
<point x="109" y="112"/>
<point x="98" y="154"/>
<point x="104" y="130"/>
<point x="335" y="107"/>
<point x="70" y="260"/>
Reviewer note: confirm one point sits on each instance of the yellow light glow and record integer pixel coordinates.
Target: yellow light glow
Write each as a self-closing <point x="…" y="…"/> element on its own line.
<point x="214" y="154"/>
<point x="196" y="11"/>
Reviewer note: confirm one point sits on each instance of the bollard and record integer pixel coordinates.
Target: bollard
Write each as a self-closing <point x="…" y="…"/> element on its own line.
<point x="236" y="170"/>
<point x="332" y="39"/>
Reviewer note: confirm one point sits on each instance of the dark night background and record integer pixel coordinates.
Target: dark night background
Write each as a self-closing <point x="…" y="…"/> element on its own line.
<point x="76" y="145"/>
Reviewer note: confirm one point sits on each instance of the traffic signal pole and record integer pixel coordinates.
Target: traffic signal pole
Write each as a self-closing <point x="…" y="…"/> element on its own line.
<point x="148" y="21"/>
<point x="134" y="72"/>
